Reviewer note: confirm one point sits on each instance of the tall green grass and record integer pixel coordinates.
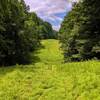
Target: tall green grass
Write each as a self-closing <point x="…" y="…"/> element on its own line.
<point x="50" y="53"/>
<point x="50" y="79"/>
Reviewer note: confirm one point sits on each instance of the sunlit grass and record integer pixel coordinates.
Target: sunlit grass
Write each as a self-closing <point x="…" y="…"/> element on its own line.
<point x="50" y="79"/>
<point x="51" y="53"/>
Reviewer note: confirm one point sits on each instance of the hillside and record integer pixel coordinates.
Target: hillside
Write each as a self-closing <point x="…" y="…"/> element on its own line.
<point x="50" y="79"/>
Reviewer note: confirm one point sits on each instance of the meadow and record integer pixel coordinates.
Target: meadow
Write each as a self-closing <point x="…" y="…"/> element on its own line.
<point x="50" y="79"/>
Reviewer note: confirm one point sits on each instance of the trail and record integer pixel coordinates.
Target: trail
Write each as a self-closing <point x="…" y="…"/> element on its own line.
<point x="50" y="53"/>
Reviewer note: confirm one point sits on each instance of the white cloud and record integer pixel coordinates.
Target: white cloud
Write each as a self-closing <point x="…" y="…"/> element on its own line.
<point x="47" y="9"/>
<point x="56" y="27"/>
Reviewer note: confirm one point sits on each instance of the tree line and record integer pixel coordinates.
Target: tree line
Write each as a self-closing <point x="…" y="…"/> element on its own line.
<point x="20" y="32"/>
<point x="80" y="31"/>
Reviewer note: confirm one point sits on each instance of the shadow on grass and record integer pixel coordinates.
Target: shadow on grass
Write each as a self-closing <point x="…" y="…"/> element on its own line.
<point x="34" y="56"/>
<point x="23" y="67"/>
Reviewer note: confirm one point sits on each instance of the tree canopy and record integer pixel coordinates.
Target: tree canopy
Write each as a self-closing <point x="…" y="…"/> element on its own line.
<point x="20" y="32"/>
<point x="80" y="31"/>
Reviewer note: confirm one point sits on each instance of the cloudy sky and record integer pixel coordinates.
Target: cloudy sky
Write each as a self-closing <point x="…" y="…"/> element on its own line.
<point x="52" y="11"/>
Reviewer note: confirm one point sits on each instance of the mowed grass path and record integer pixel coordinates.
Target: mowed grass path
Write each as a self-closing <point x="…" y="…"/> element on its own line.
<point x="51" y="53"/>
<point x="50" y="79"/>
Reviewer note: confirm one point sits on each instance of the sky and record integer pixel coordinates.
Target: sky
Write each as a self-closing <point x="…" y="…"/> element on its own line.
<point x="52" y="11"/>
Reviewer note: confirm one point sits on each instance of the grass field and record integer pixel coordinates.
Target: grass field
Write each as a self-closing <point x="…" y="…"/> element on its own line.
<point x="50" y="79"/>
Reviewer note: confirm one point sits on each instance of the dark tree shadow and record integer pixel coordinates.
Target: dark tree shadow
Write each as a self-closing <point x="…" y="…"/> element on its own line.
<point x="35" y="58"/>
<point x="25" y="67"/>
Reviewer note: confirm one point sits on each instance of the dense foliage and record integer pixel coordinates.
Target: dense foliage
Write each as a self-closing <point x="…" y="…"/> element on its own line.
<point x="46" y="31"/>
<point x="80" y="31"/>
<point x="20" y="32"/>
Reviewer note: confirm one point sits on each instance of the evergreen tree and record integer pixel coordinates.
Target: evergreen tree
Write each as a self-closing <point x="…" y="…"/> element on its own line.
<point x="80" y="33"/>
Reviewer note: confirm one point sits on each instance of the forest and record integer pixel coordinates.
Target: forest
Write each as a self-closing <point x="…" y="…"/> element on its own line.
<point x="20" y="32"/>
<point x="80" y="31"/>
<point x="38" y="62"/>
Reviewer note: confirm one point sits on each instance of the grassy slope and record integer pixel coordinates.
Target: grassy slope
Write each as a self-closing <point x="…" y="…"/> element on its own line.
<point x="48" y="79"/>
<point x="50" y="54"/>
